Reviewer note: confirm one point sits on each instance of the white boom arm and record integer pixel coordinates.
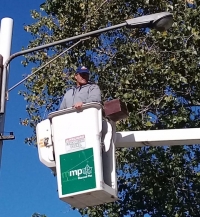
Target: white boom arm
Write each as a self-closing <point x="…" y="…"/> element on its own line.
<point x="157" y="138"/>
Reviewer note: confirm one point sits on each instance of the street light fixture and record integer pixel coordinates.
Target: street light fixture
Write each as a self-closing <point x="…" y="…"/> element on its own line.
<point x="159" y="21"/>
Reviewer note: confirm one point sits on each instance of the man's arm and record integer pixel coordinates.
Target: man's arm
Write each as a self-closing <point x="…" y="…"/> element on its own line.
<point x="94" y="94"/>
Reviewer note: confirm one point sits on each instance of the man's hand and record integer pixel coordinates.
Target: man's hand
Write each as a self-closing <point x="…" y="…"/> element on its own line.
<point x="78" y="105"/>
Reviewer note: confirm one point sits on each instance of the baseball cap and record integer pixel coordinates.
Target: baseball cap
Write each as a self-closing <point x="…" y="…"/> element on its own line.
<point x="82" y="69"/>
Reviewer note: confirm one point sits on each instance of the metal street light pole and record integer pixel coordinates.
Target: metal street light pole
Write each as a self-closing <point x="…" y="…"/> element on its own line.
<point x="5" y="49"/>
<point x="160" y="21"/>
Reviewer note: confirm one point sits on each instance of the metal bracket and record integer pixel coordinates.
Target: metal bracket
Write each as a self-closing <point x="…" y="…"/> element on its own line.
<point x="7" y="137"/>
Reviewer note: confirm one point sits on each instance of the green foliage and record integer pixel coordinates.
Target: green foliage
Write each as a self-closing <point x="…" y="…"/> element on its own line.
<point x="156" y="74"/>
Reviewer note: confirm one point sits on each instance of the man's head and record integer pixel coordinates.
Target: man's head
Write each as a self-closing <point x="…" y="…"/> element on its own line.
<point x="82" y="75"/>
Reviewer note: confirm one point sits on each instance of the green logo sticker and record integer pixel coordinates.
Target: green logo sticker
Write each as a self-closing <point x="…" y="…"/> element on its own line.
<point x="77" y="171"/>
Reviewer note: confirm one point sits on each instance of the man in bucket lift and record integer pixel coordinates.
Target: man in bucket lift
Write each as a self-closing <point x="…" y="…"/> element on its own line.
<point x="84" y="92"/>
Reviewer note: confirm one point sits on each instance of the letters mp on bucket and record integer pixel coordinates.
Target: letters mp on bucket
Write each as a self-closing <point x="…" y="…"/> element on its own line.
<point x="77" y="171"/>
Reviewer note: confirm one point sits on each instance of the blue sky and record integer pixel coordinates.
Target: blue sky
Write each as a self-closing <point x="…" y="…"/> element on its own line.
<point x="26" y="185"/>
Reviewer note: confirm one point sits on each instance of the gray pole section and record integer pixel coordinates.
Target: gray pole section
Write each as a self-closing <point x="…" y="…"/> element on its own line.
<point x="20" y="53"/>
<point x="5" y="48"/>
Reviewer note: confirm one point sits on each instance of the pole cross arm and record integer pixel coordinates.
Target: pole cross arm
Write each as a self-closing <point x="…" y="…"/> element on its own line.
<point x="168" y="137"/>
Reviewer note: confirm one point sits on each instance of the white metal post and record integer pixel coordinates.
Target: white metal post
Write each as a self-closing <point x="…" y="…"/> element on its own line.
<point x="6" y="30"/>
<point x="167" y="137"/>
